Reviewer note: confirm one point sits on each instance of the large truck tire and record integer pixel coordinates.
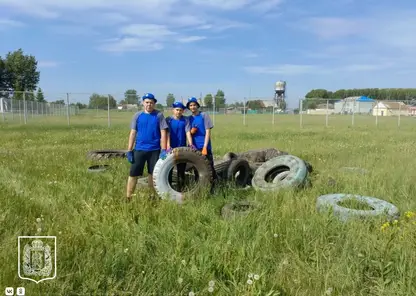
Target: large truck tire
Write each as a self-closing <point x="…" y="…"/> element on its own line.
<point x="379" y="207"/>
<point x="181" y="155"/>
<point x="265" y="175"/>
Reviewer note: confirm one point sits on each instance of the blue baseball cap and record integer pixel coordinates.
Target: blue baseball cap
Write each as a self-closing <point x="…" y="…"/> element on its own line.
<point x="149" y="96"/>
<point x="192" y="100"/>
<point x="178" y="105"/>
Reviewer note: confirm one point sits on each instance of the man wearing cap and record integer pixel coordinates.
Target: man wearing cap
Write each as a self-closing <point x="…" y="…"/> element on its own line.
<point x="200" y="130"/>
<point x="178" y="134"/>
<point x="147" y="142"/>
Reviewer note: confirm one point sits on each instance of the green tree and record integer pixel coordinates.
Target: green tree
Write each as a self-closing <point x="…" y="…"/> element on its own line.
<point x="81" y="105"/>
<point x="101" y="101"/>
<point x="219" y="99"/>
<point x="170" y="99"/>
<point x="131" y="97"/>
<point x="208" y="101"/>
<point x="255" y="104"/>
<point x="4" y="81"/>
<point x="39" y="95"/>
<point x="159" y="107"/>
<point x="20" y="72"/>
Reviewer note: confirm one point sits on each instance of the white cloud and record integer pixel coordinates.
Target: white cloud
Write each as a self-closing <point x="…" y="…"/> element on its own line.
<point x="293" y="70"/>
<point x="129" y="44"/>
<point x="163" y="18"/>
<point x="286" y="69"/>
<point x="7" y="23"/>
<point x="191" y="39"/>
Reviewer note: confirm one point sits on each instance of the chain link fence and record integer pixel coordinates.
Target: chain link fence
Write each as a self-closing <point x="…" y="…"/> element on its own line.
<point x="354" y="111"/>
<point x="92" y="108"/>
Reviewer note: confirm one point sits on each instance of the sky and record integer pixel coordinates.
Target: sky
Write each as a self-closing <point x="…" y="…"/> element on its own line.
<point x="189" y="47"/>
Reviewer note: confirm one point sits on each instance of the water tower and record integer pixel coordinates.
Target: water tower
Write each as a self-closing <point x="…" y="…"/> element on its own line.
<point x="280" y="93"/>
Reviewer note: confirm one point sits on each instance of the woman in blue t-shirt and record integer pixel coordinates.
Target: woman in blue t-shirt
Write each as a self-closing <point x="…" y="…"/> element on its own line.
<point x="178" y="126"/>
<point x="200" y="130"/>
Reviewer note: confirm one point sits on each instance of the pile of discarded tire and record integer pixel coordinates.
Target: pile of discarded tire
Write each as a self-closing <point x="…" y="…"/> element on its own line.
<point x="263" y="169"/>
<point x="266" y="169"/>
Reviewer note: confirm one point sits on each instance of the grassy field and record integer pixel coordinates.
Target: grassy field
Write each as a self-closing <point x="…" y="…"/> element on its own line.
<point x="108" y="247"/>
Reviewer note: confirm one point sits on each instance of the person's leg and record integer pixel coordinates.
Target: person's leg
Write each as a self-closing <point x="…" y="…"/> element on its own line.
<point x="181" y="168"/>
<point x="210" y="158"/>
<point x="136" y="170"/>
<point x="152" y="158"/>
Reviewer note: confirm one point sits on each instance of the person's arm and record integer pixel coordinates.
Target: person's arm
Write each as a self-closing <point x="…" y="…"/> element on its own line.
<point x="208" y="126"/>
<point x="188" y="132"/>
<point x="163" y="131"/>
<point x="133" y="131"/>
<point x="132" y="139"/>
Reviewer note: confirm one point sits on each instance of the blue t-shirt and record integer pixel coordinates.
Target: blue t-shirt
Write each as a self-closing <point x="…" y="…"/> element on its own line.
<point x="202" y="122"/>
<point x="177" y="131"/>
<point x="148" y="127"/>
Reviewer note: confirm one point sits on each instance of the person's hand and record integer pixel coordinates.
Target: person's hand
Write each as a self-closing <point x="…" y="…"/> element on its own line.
<point x="192" y="146"/>
<point x="204" y="151"/>
<point x="130" y="157"/>
<point x="194" y="130"/>
<point x="163" y="154"/>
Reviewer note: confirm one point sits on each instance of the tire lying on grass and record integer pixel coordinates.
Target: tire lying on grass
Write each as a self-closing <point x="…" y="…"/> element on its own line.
<point x="181" y="155"/>
<point x="264" y="176"/>
<point x="98" y="168"/>
<point x="239" y="172"/>
<point x="106" y="154"/>
<point x="378" y="207"/>
<point x="238" y="208"/>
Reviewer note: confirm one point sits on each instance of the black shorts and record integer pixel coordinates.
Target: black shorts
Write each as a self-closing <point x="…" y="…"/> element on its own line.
<point x="140" y="158"/>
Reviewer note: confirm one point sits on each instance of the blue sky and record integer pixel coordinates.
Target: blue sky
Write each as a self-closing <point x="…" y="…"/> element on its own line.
<point x="189" y="47"/>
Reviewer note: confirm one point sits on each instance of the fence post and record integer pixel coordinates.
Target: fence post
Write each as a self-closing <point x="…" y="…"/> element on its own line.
<point x="300" y="113"/>
<point x="108" y="110"/>
<point x="327" y="113"/>
<point x="11" y="107"/>
<point x="213" y="107"/>
<point x="353" y="113"/>
<point x="400" y="112"/>
<point x="67" y="109"/>
<point x="24" y="107"/>
<point x="3" y="109"/>
<point x="377" y="113"/>
<point x="244" y="112"/>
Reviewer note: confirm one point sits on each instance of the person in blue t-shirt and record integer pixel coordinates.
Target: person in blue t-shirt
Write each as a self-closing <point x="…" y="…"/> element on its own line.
<point x="200" y="130"/>
<point x="147" y="142"/>
<point x="177" y="135"/>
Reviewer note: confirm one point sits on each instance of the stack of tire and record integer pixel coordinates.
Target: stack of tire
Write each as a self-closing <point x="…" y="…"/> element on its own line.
<point x="264" y="169"/>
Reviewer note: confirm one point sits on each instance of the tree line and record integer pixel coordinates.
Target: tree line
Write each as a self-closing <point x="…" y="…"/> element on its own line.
<point x="394" y="94"/>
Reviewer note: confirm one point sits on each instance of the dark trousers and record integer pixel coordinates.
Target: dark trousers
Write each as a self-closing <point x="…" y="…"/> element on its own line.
<point x="180" y="171"/>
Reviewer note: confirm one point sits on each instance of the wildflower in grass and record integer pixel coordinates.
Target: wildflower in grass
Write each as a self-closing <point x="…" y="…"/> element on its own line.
<point x="385" y="226"/>
<point x="39" y="230"/>
<point x="249" y="282"/>
<point x="180" y="281"/>
<point x="328" y="291"/>
<point x="210" y="289"/>
<point x="183" y="262"/>
<point x="256" y="277"/>
<point x="409" y="214"/>
<point x="275" y="235"/>
<point x="395" y="222"/>
<point x="38" y="220"/>
<point x="211" y="284"/>
<point x="191" y="294"/>
<point x="250" y="275"/>
<point x="126" y="250"/>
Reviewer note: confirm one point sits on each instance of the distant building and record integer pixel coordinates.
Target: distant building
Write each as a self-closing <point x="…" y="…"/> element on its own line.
<point x="360" y="104"/>
<point x="388" y="108"/>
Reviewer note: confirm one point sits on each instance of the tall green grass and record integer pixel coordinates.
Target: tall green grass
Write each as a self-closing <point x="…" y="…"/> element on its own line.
<point x="284" y="247"/>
